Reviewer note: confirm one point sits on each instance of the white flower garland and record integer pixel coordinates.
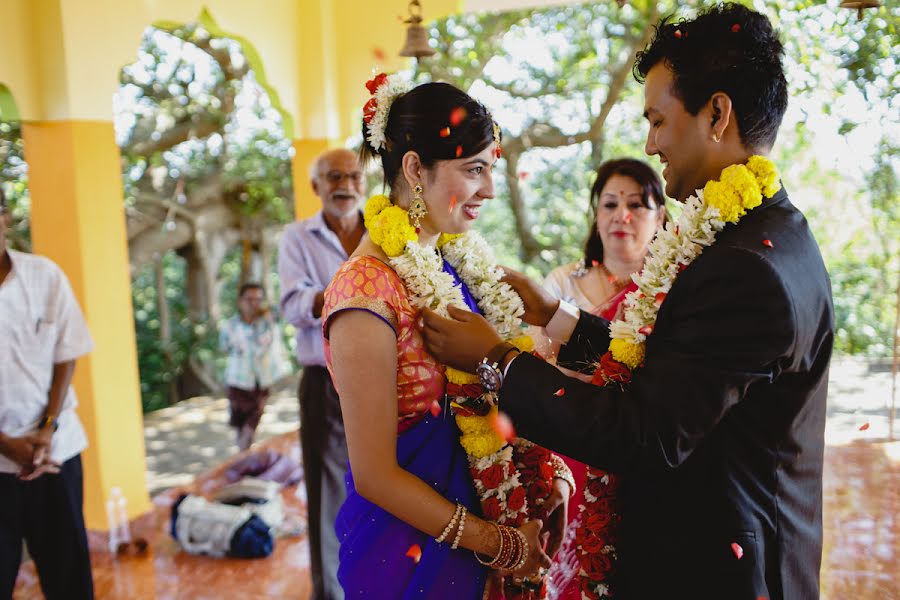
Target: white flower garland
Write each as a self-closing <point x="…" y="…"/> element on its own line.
<point x="673" y="248"/>
<point x="429" y="285"/>
<point x="395" y="85"/>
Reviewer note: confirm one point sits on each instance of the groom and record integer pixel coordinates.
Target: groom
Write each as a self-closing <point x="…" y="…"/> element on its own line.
<point x="719" y="436"/>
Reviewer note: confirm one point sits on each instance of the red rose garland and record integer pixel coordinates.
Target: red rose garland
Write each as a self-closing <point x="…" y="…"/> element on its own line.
<point x="596" y="534"/>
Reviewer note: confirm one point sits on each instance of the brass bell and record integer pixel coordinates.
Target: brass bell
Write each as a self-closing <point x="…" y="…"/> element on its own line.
<point x="860" y="5"/>
<point x="416" y="45"/>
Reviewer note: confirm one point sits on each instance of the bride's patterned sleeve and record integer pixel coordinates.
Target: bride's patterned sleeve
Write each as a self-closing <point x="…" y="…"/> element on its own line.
<point x="364" y="283"/>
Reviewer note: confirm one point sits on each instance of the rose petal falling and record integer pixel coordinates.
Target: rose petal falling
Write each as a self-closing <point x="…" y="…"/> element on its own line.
<point x="768" y="244"/>
<point x="435" y="408"/>
<point x="560" y="392"/>
<point x="415" y="553"/>
<point x="445" y="132"/>
<point x="612" y="278"/>
<point x="452" y="203"/>
<point x="628" y="218"/>
<point x="595" y="263"/>
<point x="678" y="33"/>
<point x="738" y="551"/>
<point x="458" y="115"/>
<point x="646" y="330"/>
<point x="864" y="426"/>
<point x="736" y="27"/>
<point x="379" y="54"/>
<point x="504" y="427"/>
<point x="458" y="151"/>
<point x="523" y="175"/>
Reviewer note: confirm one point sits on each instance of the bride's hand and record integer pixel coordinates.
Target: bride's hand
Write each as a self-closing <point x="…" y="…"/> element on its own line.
<point x="540" y="306"/>
<point x="537" y="558"/>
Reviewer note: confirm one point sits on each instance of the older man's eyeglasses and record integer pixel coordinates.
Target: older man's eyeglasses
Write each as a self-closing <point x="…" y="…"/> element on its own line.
<point x="335" y="177"/>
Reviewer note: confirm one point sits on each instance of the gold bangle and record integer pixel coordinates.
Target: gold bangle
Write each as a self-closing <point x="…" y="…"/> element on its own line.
<point x="562" y="471"/>
<point x="500" y="550"/>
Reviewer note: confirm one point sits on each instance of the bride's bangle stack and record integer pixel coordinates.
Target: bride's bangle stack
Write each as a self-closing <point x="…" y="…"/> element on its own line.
<point x="458" y="516"/>
<point x="513" y="550"/>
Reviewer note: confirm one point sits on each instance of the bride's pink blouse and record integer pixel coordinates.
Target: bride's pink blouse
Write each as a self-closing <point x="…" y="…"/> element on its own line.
<point x="366" y="283"/>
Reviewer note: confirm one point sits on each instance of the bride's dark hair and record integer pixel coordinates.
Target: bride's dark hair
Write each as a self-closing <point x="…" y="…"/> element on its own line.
<point x="419" y="120"/>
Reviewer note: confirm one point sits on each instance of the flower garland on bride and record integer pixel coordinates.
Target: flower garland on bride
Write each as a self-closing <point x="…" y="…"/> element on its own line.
<point x="513" y="479"/>
<point x="740" y="188"/>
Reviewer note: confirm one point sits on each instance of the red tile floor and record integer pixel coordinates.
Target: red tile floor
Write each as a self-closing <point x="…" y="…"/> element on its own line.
<point x="167" y="573"/>
<point x="861" y="559"/>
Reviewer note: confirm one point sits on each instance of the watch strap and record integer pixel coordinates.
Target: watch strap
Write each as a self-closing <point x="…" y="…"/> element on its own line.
<point x="496" y="354"/>
<point x="50" y="421"/>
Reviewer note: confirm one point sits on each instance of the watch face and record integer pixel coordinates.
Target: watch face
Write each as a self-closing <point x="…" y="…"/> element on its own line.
<point x="488" y="376"/>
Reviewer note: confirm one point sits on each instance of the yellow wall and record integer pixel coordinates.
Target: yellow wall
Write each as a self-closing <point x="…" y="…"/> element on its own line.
<point x="77" y="221"/>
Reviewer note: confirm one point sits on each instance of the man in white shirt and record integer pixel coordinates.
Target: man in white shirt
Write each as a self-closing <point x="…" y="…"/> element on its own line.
<point x="42" y="332"/>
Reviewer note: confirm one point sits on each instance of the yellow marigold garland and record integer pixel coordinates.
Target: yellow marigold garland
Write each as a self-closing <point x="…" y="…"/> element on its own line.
<point x="479" y="436"/>
<point x="630" y="355"/>
<point x="389" y="227"/>
<point x="739" y="188"/>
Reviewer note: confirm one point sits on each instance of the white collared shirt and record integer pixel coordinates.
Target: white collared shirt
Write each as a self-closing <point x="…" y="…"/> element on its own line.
<point x="40" y="325"/>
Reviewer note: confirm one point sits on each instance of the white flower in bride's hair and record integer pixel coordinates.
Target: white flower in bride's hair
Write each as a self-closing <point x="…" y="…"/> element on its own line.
<point x="384" y="89"/>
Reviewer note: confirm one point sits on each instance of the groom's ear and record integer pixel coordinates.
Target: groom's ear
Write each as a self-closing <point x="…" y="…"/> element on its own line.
<point x="411" y="165"/>
<point x="718" y="115"/>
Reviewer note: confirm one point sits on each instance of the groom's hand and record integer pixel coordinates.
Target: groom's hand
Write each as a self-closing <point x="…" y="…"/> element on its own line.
<point x="540" y="306"/>
<point x="461" y="341"/>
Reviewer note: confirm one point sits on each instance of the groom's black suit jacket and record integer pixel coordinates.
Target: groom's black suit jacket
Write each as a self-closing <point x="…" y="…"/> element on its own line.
<point x="719" y="437"/>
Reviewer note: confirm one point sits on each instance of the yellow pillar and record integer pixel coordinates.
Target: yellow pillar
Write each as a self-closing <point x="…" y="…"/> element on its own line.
<point x="306" y="203"/>
<point x="78" y="220"/>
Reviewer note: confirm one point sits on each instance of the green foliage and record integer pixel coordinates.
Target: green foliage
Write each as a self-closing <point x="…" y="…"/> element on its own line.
<point x="14" y="175"/>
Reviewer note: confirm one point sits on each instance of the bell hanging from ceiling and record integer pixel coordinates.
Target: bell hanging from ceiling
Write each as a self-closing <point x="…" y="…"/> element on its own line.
<point x="416" y="45"/>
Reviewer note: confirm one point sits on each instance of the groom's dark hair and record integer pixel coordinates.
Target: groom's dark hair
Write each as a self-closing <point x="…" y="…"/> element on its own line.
<point x="727" y="48"/>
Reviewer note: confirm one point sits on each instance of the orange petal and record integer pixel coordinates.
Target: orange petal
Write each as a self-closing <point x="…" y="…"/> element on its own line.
<point x="738" y="551"/>
<point x="458" y="151"/>
<point x="595" y="263"/>
<point x="458" y="115"/>
<point x="612" y="278"/>
<point x="445" y="132"/>
<point x="864" y="426"/>
<point x="768" y="244"/>
<point x="646" y="330"/>
<point x="504" y="427"/>
<point x="452" y="203"/>
<point x="415" y="553"/>
<point x="560" y="392"/>
<point x="435" y="408"/>
<point x="660" y="296"/>
<point x="379" y="54"/>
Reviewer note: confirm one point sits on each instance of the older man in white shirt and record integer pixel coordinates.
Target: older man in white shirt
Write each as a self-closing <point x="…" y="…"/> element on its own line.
<point x="311" y="253"/>
<point x="42" y="332"/>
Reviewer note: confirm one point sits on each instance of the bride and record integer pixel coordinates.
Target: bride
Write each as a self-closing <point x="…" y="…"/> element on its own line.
<point x="440" y="504"/>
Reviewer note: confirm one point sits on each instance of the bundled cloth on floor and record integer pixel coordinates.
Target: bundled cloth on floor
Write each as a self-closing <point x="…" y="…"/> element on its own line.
<point x="239" y="523"/>
<point x="269" y="465"/>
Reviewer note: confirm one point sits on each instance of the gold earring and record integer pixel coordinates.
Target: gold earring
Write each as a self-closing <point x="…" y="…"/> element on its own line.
<point x="417" y="208"/>
<point x="717" y="138"/>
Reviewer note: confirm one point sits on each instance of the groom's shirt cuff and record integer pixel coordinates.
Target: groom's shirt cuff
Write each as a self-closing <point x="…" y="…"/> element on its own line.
<point x="563" y="322"/>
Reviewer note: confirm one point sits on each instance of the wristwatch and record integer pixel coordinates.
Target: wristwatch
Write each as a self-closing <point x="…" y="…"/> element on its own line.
<point x="488" y="370"/>
<point x="49" y="421"/>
